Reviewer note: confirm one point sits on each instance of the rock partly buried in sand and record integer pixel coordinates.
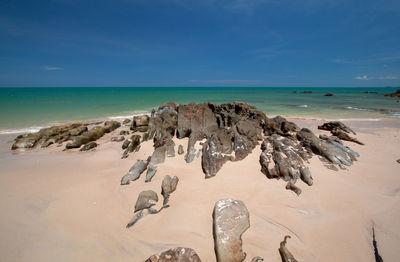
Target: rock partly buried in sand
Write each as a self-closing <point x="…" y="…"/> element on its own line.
<point x="93" y="134"/>
<point x="336" y="125"/>
<point x="135" y="142"/>
<point x="212" y="159"/>
<point x="124" y="132"/>
<point x="125" y="144"/>
<point x="88" y="146"/>
<point x="230" y="221"/>
<point x="134" y="172"/>
<point x="394" y="94"/>
<point x="344" y="136"/>
<point x="168" y="186"/>
<point x="146" y="199"/>
<point x="140" y="123"/>
<point x="180" y="150"/>
<point x="117" y="139"/>
<point x="285" y="253"/>
<point x="50" y="135"/>
<point x="151" y="171"/>
<point x="257" y="259"/>
<point x="126" y="121"/>
<point x="398" y="160"/>
<point x="178" y="254"/>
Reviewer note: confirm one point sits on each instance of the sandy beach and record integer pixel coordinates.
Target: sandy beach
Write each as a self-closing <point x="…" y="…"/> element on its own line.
<point x="70" y="206"/>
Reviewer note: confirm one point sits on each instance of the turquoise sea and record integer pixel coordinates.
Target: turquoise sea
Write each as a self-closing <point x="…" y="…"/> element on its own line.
<point x="24" y="109"/>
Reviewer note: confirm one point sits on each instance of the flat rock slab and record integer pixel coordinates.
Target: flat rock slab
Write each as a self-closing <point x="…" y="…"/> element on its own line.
<point x="146" y="199"/>
<point x="230" y="221"/>
<point x="178" y="254"/>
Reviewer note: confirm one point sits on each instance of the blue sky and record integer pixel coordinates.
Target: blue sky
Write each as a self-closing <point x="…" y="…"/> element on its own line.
<point x="200" y="43"/>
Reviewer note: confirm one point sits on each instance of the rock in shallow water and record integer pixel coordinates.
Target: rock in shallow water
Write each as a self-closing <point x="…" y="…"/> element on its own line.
<point x="178" y="254"/>
<point x="230" y="221"/>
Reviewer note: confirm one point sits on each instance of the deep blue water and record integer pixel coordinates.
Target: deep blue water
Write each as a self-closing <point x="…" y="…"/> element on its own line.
<point x="26" y="107"/>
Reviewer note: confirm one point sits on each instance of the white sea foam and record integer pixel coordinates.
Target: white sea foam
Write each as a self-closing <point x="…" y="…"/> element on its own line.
<point x="31" y="129"/>
<point x="135" y="113"/>
<point x="305" y="106"/>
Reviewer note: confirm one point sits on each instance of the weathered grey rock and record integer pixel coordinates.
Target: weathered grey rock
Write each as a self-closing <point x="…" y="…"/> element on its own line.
<point x="126" y="121"/>
<point x="146" y="199"/>
<point x="158" y="155"/>
<point x="344" y="136"/>
<point x="285" y="253"/>
<point x="293" y="187"/>
<point x="180" y="150"/>
<point x="140" y="123"/>
<point x="212" y="159"/>
<point x="178" y="254"/>
<point x="93" y="134"/>
<point x="140" y="214"/>
<point x="117" y="138"/>
<point x="170" y="148"/>
<point x="329" y="126"/>
<point x="151" y="171"/>
<point x="88" y="146"/>
<point x="168" y="186"/>
<point x="126" y="144"/>
<point x="134" y="172"/>
<point x="191" y="153"/>
<point x="135" y="142"/>
<point x="124" y="132"/>
<point x="257" y="259"/>
<point x="47" y="136"/>
<point x="230" y="221"/>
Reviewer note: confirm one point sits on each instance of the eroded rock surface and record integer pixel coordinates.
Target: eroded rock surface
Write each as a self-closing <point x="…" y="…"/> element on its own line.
<point x="134" y="172"/>
<point x="88" y="146"/>
<point x="178" y="254"/>
<point x="230" y="221"/>
<point x="140" y="123"/>
<point x="168" y="186"/>
<point x="146" y="199"/>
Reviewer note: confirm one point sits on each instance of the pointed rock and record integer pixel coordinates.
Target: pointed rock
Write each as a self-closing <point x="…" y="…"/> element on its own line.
<point x="178" y="254"/>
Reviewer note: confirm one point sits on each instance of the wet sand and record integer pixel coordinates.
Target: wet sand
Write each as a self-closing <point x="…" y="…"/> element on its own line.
<point x="70" y="206"/>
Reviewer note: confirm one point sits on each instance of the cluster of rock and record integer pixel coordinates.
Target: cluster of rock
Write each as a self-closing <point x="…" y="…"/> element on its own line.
<point x="230" y="221"/>
<point x="147" y="199"/>
<point x="394" y="94"/>
<point x="77" y="133"/>
<point x="229" y="132"/>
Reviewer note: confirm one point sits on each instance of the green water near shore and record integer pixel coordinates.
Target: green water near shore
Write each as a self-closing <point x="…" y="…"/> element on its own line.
<point x="29" y="107"/>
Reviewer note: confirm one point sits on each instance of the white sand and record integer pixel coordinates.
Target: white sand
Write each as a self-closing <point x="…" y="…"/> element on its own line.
<point x="69" y="206"/>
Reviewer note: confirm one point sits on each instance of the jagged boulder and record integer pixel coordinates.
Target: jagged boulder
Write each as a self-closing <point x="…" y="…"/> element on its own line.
<point x="329" y="126"/>
<point x="178" y="254"/>
<point x="168" y="186"/>
<point x="88" y="146"/>
<point x="140" y="123"/>
<point x="212" y="158"/>
<point x="230" y="221"/>
<point x="146" y="199"/>
<point x="134" y="172"/>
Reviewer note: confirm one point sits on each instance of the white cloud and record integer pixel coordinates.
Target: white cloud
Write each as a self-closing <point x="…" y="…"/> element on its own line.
<point x="52" y="68"/>
<point x="364" y="77"/>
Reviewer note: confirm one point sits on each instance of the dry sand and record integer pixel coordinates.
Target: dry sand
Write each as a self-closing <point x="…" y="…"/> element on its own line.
<point x="69" y="206"/>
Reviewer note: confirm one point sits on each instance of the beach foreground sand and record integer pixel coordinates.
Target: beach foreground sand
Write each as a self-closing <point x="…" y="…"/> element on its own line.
<point x="70" y="206"/>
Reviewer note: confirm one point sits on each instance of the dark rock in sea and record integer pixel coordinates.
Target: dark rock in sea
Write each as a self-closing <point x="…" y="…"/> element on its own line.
<point x="178" y="254"/>
<point x="230" y="221"/>
<point x="212" y="158"/>
<point x="126" y="144"/>
<point x="134" y="172"/>
<point x="180" y="150"/>
<point x="88" y="146"/>
<point x="126" y="121"/>
<point x="395" y="94"/>
<point x="93" y="134"/>
<point x="124" y="132"/>
<point x="168" y="186"/>
<point x="140" y="123"/>
<point x="146" y="199"/>
<point x="329" y="126"/>
<point x="370" y="92"/>
<point x="329" y="94"/>
<point x="286" y="256"/>
<point x="117" y="138"/>
<point x="47" y="136"/>
<point x="306" y="92"/>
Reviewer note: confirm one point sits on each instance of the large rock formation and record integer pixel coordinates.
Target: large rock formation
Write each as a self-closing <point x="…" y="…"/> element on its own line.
<point x="93" y="134"/>
<point x="178" y="254"/>
<point x="230" y="221"/>
<point x="140" y="123"/>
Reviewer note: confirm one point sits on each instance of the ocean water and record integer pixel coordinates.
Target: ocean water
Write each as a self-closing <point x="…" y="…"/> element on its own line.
<point x="28" y="109"/>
